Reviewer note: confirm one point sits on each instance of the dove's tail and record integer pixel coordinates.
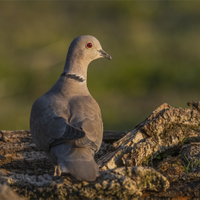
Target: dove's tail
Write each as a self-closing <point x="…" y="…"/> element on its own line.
<point x="79" y="162"/>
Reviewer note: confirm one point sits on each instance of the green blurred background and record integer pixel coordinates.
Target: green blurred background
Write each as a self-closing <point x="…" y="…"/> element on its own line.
<point x="155" y="46"/>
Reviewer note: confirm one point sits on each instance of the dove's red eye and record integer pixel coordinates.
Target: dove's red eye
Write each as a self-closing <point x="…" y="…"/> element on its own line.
<point x="89" y="45"/>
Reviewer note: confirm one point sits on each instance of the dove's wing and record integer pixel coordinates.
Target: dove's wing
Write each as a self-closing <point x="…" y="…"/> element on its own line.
<point x="55" y="123"/>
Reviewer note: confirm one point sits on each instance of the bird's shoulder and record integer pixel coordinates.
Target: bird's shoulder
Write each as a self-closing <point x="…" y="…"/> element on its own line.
<point x="83" y="102"/>
<point x="82" y="107"/>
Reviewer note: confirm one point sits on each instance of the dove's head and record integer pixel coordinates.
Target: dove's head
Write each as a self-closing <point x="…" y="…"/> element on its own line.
<point x="82" y="51"/>
<point x="86" y="48"/>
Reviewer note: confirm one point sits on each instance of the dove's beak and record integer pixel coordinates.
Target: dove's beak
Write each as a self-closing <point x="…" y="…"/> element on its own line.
<point x="105" y="55"/>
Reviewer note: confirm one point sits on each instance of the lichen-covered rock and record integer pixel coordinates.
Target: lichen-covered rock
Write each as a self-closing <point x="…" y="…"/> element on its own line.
<point x="162" y="131"/>
<point x="146" y="178"/>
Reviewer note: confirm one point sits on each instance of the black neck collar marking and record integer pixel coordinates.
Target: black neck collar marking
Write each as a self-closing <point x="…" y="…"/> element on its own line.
<point x="73" y="76"/>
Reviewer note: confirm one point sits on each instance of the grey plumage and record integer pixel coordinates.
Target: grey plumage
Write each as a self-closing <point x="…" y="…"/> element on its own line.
<point x="66" y="121"/>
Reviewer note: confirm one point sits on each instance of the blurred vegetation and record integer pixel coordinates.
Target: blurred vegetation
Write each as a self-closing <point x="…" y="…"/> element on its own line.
<point x="155" y="46"/>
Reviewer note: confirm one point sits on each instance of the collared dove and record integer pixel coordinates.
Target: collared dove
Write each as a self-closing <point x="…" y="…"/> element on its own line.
<point x="66" y="121"/>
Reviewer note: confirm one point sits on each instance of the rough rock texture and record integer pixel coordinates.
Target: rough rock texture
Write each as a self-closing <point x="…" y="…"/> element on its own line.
<point x="162" y="132"/>
<point x="159" y="158"/>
